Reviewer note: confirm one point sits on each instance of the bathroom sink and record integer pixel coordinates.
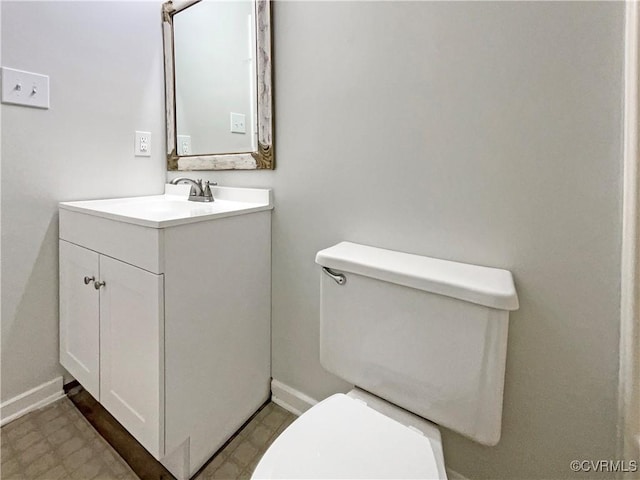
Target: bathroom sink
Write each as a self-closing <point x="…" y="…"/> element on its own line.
<point x="174" y="208"/>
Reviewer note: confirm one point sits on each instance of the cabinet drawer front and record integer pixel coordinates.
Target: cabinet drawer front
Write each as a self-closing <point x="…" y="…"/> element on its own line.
<point x="131" y="345"/>
<point x="141" y="246"/>
<point x="79" y="316"/>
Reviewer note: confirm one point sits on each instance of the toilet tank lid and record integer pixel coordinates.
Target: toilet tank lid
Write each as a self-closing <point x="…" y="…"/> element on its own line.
<point x="491" y="287"/>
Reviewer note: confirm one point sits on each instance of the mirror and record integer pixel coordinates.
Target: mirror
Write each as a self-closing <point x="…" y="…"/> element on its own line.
<point x="217" y="57"/>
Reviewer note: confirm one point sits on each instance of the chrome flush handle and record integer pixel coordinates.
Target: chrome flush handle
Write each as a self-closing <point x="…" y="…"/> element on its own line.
<point x="339" y="278"/>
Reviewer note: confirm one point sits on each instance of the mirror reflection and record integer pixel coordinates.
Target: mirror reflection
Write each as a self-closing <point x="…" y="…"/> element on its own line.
<point x="215" y="90"/>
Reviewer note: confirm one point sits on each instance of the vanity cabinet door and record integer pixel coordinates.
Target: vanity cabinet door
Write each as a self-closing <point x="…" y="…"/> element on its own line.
<point x="131" y="344"/>
<point x="79" y="315"/>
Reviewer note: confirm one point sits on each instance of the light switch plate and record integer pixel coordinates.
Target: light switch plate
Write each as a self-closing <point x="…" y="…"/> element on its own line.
<point x="25" y="88"/>
<point x="238" y="123"/>
<point x="142" y="147"/>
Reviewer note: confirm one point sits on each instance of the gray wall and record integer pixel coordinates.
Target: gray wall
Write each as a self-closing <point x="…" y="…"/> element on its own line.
<point x="487" y="133"/>
<point x="481" y="132"/>
<point x="105" y="64"/>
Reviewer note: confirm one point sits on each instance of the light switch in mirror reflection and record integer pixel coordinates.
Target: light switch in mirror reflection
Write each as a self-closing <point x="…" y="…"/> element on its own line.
<point x="218" y="84"/>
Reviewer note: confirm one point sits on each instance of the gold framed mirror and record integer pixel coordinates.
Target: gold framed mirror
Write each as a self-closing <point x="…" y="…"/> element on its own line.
<point x="218" y="91"/>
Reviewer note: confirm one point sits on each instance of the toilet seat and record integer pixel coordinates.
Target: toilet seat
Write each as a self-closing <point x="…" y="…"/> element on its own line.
<point x="341" y="437"/>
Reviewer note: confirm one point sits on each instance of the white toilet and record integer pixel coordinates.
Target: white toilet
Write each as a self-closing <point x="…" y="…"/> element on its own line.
<point x="421" y="338"/>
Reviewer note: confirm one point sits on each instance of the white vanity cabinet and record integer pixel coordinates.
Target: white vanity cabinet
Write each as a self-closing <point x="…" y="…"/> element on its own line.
<point x="111" y="337"/>
<point x="131" y="349"/>
<point x="80" y="316"/>
<point x="175" y="340"/>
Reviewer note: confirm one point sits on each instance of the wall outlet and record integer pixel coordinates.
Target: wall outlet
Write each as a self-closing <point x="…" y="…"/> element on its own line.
<point x="142" y="147"/>
<point x="25" y="88"/>
<point x="238" y="123"/>
<point x="184" y="144"/>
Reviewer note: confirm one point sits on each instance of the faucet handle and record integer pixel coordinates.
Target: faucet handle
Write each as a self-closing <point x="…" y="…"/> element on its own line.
<point x="206" y="191"/>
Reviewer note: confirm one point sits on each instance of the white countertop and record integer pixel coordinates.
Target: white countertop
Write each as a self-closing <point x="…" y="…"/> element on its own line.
<point x="174" y="208"/>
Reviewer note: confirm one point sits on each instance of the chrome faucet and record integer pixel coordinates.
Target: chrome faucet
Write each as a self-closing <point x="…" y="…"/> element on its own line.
<point x="200" y="190"/>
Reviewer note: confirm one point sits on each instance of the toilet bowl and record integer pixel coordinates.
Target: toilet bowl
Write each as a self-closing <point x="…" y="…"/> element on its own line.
<point x="424" y="340"/>
<point x="344" y="437"/>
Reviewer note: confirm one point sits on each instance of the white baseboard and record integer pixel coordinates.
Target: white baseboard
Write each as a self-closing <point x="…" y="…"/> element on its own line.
<point x="453" y="475"/>
<point x="290" y="399"/>
<point x="31" y="400"/>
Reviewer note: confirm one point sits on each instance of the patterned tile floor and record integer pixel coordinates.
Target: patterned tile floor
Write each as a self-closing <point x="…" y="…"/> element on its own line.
<point x="57" y="443"/>
<point x="240" y="457"/>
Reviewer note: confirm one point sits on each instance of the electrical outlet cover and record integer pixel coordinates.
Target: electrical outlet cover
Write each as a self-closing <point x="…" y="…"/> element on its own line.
<point x="142" y="147"/>
<point x="184" y="144"/>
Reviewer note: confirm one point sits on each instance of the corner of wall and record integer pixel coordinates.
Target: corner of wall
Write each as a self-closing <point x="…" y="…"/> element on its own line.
<point x="290" y="399"/>
<point x="628" y="388"/>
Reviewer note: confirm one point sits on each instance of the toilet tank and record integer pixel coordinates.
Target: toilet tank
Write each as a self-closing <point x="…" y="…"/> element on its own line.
<point x="425" y="334"/>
